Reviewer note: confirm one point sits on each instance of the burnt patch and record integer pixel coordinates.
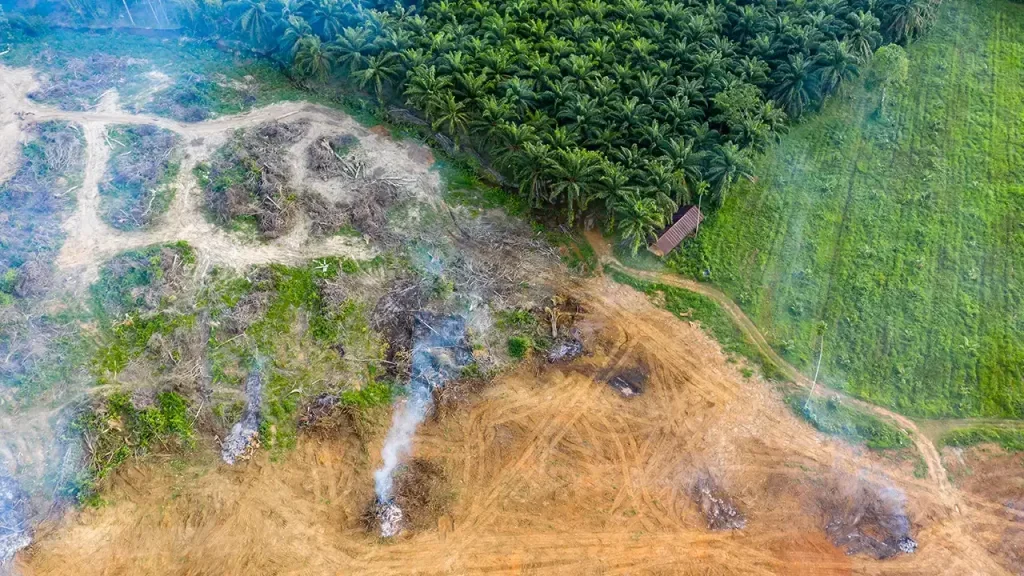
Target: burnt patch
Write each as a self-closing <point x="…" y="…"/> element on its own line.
<point x="864" y="518"/>
<point x="629" y="382"/>
<point x="719" y="510"/>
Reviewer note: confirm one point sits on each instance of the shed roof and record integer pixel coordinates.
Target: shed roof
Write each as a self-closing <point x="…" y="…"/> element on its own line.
<point x="685" y="222"/>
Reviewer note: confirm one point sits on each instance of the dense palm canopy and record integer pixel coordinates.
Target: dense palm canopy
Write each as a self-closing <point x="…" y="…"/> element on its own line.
<point x="579" y="101"/>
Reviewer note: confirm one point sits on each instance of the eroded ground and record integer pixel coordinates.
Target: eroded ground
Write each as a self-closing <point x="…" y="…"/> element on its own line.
<point x="550" y="469"/>
<point x="552" y="472"/>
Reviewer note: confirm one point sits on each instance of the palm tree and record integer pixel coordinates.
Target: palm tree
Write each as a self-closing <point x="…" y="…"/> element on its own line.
<point x="294" y="29"/>
<point x="794" y="87"/>
<point x="380" y="70"/>
<point x="422" y="86"/>
<point x="908" y="18"/>
<point x="254" y="21"/>
<point x="326" y="16"/>
<point x="863" y="36"/>
<point x="835" y="64"/>
<point x="686" y="162"/>
<point x="352" y="47"/>
<point x="450" y="115"/>
<point x="531" y="170"/>
<point x="575" y="175"/>
<point x="515" y="138"/>
<point x="312" y="59"/>
<point x="727" y="164"/>
<point x="637" y="219"/>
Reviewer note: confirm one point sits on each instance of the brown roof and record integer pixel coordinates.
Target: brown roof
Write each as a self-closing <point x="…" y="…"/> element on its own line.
<point x="685" y="223"/>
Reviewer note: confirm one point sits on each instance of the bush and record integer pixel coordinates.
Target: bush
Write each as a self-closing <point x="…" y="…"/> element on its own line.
<point x="520" y="346"/>
<point x="834" y="418"/>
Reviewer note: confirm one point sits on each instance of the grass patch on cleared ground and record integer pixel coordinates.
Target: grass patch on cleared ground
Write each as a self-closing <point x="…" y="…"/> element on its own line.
<point x="695" y="307"/>
<point x="901" y="235"/>
<point x="1010" y="439"/>
<point x="831" y="416"/>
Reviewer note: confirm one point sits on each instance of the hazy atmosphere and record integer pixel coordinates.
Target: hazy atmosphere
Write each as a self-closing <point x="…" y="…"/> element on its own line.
<point x="511" y="287"/>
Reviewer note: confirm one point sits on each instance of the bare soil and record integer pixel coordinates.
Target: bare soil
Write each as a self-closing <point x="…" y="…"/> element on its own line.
<point x="551" y="470"/>
<point x="552" y="473"/>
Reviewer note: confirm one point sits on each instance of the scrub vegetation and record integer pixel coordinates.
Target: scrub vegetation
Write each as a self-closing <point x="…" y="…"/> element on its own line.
<point x="139" y="184"/>
<point x="895" y="234"/>
<point x="1010" y="439"/>
<point x="831" y="416"/>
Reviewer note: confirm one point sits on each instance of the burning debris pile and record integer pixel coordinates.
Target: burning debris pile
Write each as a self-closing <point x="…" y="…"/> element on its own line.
<point x="629" y="382"/>
<point x="866" y="518"/>
<point x="14" y="529"/>
<point x="566" y="349"/>
<point x="717" y="507"/>
<point x="439" y="353"/>
<point x="241" y="441"/>
<point x="421" y="496"/>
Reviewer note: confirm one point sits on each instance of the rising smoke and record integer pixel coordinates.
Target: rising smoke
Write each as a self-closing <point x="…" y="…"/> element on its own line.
<point x="439" y="353"/>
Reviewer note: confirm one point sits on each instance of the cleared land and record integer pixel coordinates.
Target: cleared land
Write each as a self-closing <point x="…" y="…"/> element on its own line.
<point x="899" y="237"/>
<point x="551" y="471"/>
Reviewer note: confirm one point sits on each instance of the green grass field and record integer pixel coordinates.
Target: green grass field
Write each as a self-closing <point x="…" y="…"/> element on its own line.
<point x="899" y="237"/>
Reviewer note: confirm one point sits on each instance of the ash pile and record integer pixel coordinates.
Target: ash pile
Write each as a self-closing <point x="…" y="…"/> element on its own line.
<point x="629" y="382"/>
<point x="15" y="533"/>
<point x="718" y="509"/>
<point x="387" y="517"/>
<point x="566" y="349"/>
<point x="242" y="440"/>
<point x="867" y="519"/>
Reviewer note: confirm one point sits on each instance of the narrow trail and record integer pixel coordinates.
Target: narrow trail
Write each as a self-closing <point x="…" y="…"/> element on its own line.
<point x="936" y="472"/>
<point x="90" y="241"/>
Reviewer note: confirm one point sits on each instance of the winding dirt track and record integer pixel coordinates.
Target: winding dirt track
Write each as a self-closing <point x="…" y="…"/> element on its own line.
<point x="936" y="472"/>
<point x="90" y="241"/>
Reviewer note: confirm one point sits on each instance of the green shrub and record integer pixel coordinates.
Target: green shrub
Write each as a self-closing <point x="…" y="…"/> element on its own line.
<point x="520" y="346"/>
<point x="834" y="418"/>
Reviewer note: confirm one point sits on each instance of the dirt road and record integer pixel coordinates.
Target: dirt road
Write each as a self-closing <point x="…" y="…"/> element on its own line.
<point x="90" y="241"/>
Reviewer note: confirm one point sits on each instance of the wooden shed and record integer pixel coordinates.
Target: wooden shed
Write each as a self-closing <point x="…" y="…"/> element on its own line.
<point x="684" y="223"/>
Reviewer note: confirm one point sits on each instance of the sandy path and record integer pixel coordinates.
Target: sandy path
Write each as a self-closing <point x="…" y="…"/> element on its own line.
<point x="90" y="241"/>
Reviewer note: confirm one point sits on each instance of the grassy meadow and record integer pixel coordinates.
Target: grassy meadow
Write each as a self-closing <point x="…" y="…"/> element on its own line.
<point x="898" y="238"/>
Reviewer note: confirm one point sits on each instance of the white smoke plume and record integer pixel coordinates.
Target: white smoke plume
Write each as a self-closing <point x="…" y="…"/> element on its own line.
<point x="439" y="352"/>
<point x="398" y="444"/>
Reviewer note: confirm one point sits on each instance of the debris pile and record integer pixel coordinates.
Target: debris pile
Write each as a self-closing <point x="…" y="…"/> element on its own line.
<point x="629" y="382"/>
<point x="14" y="530"/>
<point x="241" y="441"/>
<point x="386" y="518"/>
<point x="566" y="349"/>
<point x="325" y="157"/>
<point x="80" y="82"/>
<point x="134" y="192"/>
<point x="392" y="318"/>
<point x="867" y="519"/>
<point x="718" y="509"/>
<point x="249" y="178"/>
